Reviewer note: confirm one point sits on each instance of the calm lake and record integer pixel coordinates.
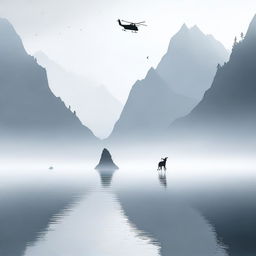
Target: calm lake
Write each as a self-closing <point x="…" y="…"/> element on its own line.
<point x="74" y="210"/>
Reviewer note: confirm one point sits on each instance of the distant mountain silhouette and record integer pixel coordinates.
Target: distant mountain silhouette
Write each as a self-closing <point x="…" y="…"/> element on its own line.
<point x="174" y="88"/>
<point x="228" y="108"/>
<point x="27" y="105"/>
<point x="94" y="104"/>
<point x="190" y="63"/>
<point x="150" y="108"/>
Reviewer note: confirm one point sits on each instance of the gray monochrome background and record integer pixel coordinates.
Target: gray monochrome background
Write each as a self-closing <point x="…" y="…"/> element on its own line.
<point x="84" y="40"/>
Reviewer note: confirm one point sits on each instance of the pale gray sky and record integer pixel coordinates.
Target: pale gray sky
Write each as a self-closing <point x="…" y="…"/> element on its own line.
<point x="84" y="37"/>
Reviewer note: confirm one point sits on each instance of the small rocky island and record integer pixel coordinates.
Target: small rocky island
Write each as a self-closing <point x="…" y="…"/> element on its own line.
<point x="106" y="162"/>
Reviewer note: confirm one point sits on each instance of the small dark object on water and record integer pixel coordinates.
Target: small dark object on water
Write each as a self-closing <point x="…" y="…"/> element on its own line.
<point x="162" y="164"/>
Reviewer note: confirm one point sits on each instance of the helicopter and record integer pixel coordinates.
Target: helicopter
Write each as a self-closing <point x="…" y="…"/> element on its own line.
<point x="131" y="26"/>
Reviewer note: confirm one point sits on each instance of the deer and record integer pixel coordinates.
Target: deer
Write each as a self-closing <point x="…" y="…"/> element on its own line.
<point x="162" y="164"/>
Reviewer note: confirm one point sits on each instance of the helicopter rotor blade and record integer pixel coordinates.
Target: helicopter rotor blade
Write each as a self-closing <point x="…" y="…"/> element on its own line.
<point x="139" y="22"/>
<point x="127" y="21"/>
<point x="141" y="25"/>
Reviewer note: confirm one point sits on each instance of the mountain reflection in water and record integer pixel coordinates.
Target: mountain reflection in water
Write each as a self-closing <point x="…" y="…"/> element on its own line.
<point x="125" y="212"/>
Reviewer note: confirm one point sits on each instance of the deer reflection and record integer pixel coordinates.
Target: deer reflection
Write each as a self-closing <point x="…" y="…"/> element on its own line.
<point x="162" y="178"/>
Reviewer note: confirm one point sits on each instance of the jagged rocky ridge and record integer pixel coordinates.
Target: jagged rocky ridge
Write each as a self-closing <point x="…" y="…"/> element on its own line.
<point x="190" y="62"/>
<point x="84" y="96"/>
<point x="27" y="105"/>
<point x="228" y="108"/>
<point x="166" y="92"/>
<point x="150" y="108"/>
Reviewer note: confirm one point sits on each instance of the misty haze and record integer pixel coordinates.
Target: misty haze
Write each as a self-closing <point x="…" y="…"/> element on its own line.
<point x="127" y="128"/>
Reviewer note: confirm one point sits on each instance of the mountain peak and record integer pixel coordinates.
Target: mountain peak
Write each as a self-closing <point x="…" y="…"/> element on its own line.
<point x="184" y="28"/>
<point x="185" y="48"/>
<point x="251" y="32"/>
<point x="228" y="106"/>
<point x="10" y="43"/>
<point x="195" y="28"/>
<point x="151" y="70"/>
<point x="30" y="108"/>
<point x="5" y="22"/>
<point x="189" y="32"/>
<point x="151" y="75"/>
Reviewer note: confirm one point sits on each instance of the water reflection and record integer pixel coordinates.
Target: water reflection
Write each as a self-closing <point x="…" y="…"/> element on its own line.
<point x="106" y="177"/>
<point x="173" y="226"/>
<point x="131" y="216"/>
<point x="26" y="214"/>
<point x="179" y="229"/>
<point x="95" y="226"/>
<point x="162" y="178"/>
<point x="232" y="211"/>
